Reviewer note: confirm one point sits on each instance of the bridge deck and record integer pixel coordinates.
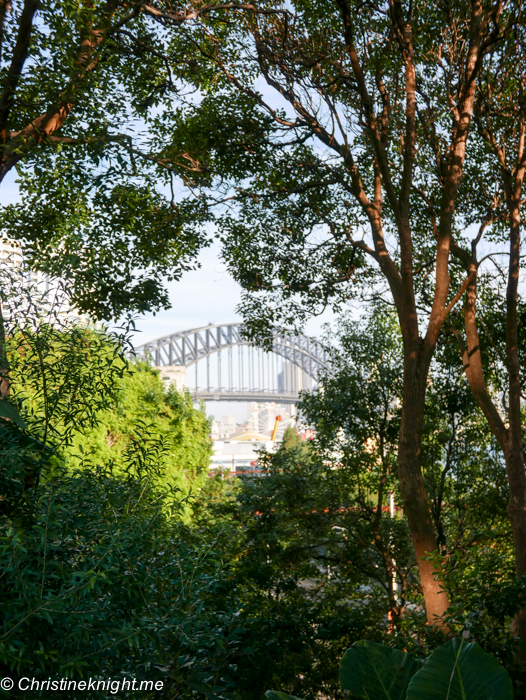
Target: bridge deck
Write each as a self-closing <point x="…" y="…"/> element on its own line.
<point x="260" y="397"/>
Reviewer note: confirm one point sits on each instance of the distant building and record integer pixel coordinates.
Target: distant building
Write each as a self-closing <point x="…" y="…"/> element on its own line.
<point x="10" y="252"/>
<point x="292" y="379"/>
<point x="228" y="425"/>
<point x="49" y="294"/>
<point x="175" y="375"/>
<point x="224" y="429"/>
<point x="239" y="456"/>
<point x="214" y="430"/>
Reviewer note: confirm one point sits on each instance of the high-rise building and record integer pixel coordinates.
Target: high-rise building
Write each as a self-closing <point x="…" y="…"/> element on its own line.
<point x="228" y="425"/>
<point x="292" y="379"/>
<point x="45" y="293"/>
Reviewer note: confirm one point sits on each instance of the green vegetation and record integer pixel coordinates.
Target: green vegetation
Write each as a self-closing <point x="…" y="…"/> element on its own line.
<point x="319" y="561"/>
<point x="100" y="579"/>
<point x="120" y="558"/>
<point x="372" y="671"/>
<point x="141" y="396"/>
<point x="100" y="576"/>
<point x="82" y="399"/>
<point x="343" y="151"/>
<point x="291" y="440"/>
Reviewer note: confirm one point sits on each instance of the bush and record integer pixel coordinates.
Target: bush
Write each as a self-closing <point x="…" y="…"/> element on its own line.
<point x="99" y="578"/>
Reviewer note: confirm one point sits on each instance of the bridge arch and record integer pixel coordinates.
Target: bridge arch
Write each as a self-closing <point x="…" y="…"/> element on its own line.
<point x="189" y="347"/>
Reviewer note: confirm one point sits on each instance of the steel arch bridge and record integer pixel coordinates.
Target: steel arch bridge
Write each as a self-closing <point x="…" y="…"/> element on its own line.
<point x="251" y="374"/>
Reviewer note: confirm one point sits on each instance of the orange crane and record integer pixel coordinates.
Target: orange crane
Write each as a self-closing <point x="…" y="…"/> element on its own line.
<point x="275" y="431"/>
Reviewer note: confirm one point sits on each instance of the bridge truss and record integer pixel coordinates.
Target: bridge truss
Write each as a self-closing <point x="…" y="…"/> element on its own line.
<point x="242" y="371"/>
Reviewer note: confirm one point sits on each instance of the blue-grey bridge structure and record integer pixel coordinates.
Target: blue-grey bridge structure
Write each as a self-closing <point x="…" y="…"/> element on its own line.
<point x="248" y="374"/>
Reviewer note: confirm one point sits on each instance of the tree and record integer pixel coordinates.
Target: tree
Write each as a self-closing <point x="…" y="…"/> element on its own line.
<point x="356" y="417"/>
<point x="317" y="550"/>
<point x="60" y="375"/>
<point x="75" y="397"/>
<point x="73" y="80"/>
<point x="143" y="410"/>
<point x="96" y="563"/>
<point x="306" y="575"/>
<point x="356" y="420"/>
<point x="372" y="111"/>
<point x="500" y="121"/>
<point x="291" y="440"/>
<point x="101" y="202"/>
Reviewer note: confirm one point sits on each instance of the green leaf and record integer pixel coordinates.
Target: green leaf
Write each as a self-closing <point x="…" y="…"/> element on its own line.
<point x="278" y="695"/>
<point x="376" y="672"/>
<point x="7" y="410"/>
<point x="460" y="671"/>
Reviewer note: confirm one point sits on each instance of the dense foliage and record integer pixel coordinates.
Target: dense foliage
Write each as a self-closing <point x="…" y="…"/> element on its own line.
<point x="73" y="79"/>
<point x="100" y="580"/>
<point x="144" y="408"/>
<point x="79" y="395"/>
<point x="241" y="586"/>
<point x="100" y="577"/>
<point x="344" y="150"/>
<point x="372" y="671"/>
<point x="321" y="560"/>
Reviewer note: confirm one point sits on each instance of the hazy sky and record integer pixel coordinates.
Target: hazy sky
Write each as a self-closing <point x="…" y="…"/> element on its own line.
<point x="206" y="295"/>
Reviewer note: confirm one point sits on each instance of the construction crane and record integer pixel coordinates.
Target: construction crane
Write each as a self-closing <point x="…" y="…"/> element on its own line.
<point x="275" y="431"/>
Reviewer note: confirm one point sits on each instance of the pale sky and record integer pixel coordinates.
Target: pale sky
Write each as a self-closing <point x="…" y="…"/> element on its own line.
<point x="203" y="296"/>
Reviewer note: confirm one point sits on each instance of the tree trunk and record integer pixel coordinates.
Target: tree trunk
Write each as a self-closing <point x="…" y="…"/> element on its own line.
<point x="416" y="366"/>
<point x="514" y="454"/>
<point x="515" y="450"/>
<point x="4" y="364"/>
<point x="509" y="438"/>
<point x="514" y="457"/>
<point x="517" y="501"/>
